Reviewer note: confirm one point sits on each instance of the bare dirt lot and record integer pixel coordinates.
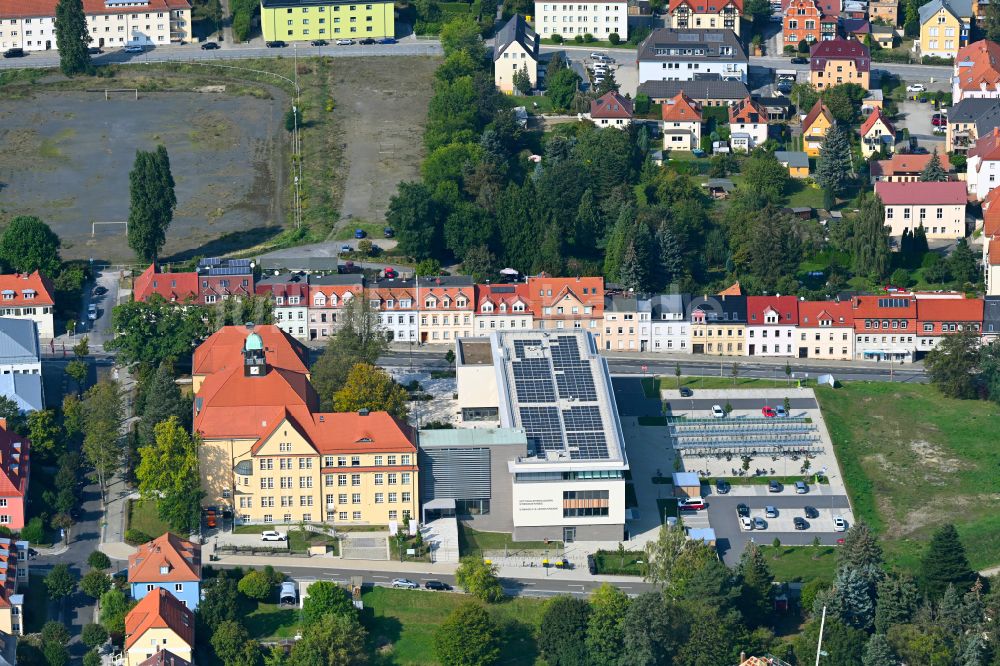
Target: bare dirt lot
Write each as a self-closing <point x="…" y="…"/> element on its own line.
<point x="65" y="157"/>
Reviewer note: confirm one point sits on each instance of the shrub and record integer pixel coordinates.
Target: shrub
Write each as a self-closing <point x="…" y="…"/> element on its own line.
<point x="34" y="531"/>
<point x="255" y="585"/>
<point x="900" y="277"/>
<point x="614" y="38"/>
<point x="642" y="103"/>
<point x="94" y="635"/>
<point x="92" y="659"/>
<point x="589" y="38"/>
<point x="134" y="537"/>
<point x="578" y="39"/>
<point x="98" y="560"/>
<point x="803" y="46"/>
<point x="557" y="39"/>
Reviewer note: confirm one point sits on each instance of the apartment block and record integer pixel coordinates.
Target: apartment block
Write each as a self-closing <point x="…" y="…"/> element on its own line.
<point x="600" y="19"/>
<point x="305" y="20"/>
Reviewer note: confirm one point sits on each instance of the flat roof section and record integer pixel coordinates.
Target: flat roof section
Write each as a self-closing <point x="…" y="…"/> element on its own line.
<point x="474" y="351"/>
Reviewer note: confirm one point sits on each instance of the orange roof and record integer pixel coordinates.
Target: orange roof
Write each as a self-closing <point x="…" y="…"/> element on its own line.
<point x="14" y="462"/>
<point x="785" y="307"/>
<point x="26" y="289"/>
<point x="171" y="286"/>
<point x="907" y="164"/>
<point x="503" y="293"/>
<point x="681" y="108"/>
<point x="349" y="432"/>
<point x="159" y="610"/>
<point x="978" y="64"/>
<point x="747" y="111"/>
<point x="180" y="558"/>
<point x="611" y="105"/>
<point x="8" y="571"/>
<point x="839" y="313"/>
<point x="735" y="289"/>
<point x="991" y="213"/>
<point x="545" y="291"/>
<point x="819" y="108"/>
<point x="874" y="117"/>
<point x="883" y="306"/>
<point x="993" y="252"/>
<point x="949" y="309"/>
<point x="33" y="8"/>
<point x="223" y="349"/>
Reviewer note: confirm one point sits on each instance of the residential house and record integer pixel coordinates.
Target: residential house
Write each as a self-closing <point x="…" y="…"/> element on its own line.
<point x="687" y="14"/>
<point x="837" y="61"/>
<point x="878" y="136"/>
<point x="306" y="20"/>
<point x="855" y="28"/>
<point x="396" y="302"/>
<point x="815" y="125"/>
<point x="669" y="54"/>
<point x="809" y="20"/>
<point x="885" y="327"/>
<point x="747" y="125"/>
<point x="826" y="330"/>
<point x="15" y="468"/>
<point x="600" y="18"/>
<point x="991" y="318"/>
<point x="796" y="162"/>
<point x="886" y="10"/>
<point x="515" y="47"/>
<point x="502" y="307"/>
<point x="670" y="325"/>
<point x="771" y="324"/>
<point x="170" y="563"/>
<point x="718" y="325"/>
<point x="290" y="294"/>
<point x="158" y="622"/>
<point x="173" y="287"/>
<point x="21" y="364"/>
<point x="938" y="207"/>
<point x="905" y="167"/>
<point x="707" y="92"/>
<point x="977" y="72"/>
<point x="31" y="25"/>
<point x="939" y="317"/>
<point x="944" y="27"/>
<point x="778" y="108"/>
<point x="328" y="296"/>
<point x="611" y="110"/>
<point x="970" y="119"/>
<point x="991" y="242"/>
<point x="874" y="99"/>
<point x="884" y="35"/>
<point x="219" y="279"/>
<point x="446" y="307"/>
<point x="626" y="323"/>
<point x="29" y="296"/>
<point x="568" y="303"/>
<point x="681" y="123"/>
<point x="14" y="567"/>
<point x="983" y="164"/>
<point x="218" y="352"/>
<point x="271" y="456"/>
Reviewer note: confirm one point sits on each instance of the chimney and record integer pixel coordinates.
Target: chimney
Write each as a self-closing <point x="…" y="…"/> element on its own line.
<point x="363" y="412"/>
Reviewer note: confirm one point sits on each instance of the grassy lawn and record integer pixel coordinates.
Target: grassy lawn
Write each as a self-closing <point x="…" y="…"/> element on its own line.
<point x="298" y="540"/>
<point x="913" y="460"/>
<point x="36" y="604"/>
<point x="801" y="563"/>
<point x="374" y="231"/>
<point x="800" y="193"/>
<point x="474" y="542"/>
<point x="610" y="562"/>
<point x="726" y="382"/>
<point x="142" y="516"/>
<point x="401" y="625"/>
<point x="529" y="102"/>
<point x="271" y="622"/>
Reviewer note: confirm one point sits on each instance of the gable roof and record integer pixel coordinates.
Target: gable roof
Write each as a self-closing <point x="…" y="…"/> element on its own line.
<point x="182" y="560"/>
<point x="819" y="109"/>
<point x="30" y="289"/>
<point x="991" y="213"/>
<point x="658" y="46"/>
<point x="838" y="50"/>
<point x="993" y="254"/>
<point x="978" y="65"/>
<point x="786" y="307"/>
<point x="545" y="291"/>
<point x="902" y="164"/>
<point x="697" y="89"/>
<point x="987" y="147"/>
<point x="793" y="158"/>
<point x="707" y="6"/>
<point x="171" y="286"/>
<point x="9" y="552"/>
<point x="948" y="193"/>
<point x="839" y="313"/>
<point x="735" y="289"/>
<point x="949" y="309"/>
<point x="747" y="111"/>
<point x="681" y="108"/>
<point x="159" y="610"/>
<point x="611" y="105"/>
<point x="165" y="658"/>
<point x="960" y="9"/>
<point x="515" y="30"/>
<point x="45" y="8"/>
<point x="873" y="119"/>
<point x="224" y="349"/>
<point x="23" y="388"/>
<point x="15" y="462"/>
<point x="18" y="341"/>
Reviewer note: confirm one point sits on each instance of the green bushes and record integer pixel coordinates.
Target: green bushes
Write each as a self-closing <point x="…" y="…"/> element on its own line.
<point x="243" y="13"/>
<point x="34" y="531"/>
<point x="557" y="39"/>
<point x="134" y="537"/>
<point x="614" y="38"/>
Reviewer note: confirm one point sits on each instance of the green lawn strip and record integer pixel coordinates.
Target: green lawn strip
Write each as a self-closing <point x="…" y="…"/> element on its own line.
<point x="801" y="563"/>
<point x="726" y="381"/>
<point x="801" y="193"/>
<point x="927" y="459"/>
<point x="298" y="540"/>
<point x="528" y="102"/>
<point x="36" y="604"/>
<point x="271" y="621"/>
<point x="609" y="562"/>
<point x="652" y="420"/>
<point x="374" y="231"/>
<point x="474" y="542"/>
<point x="764" y="480"/>
<point x="142" y="516"/>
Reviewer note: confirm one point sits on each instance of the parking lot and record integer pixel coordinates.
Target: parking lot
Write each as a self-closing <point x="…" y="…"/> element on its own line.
<point x="626" y="75"/>
<point x="916" y="117"/>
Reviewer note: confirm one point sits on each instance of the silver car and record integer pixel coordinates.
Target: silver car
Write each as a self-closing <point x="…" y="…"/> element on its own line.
<point x="405" y="583"/>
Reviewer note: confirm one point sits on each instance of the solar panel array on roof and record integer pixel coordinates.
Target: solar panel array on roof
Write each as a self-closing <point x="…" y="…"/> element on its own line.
<point x="533" y="380"/>
<point x="585" y="432"/>
<point x="542" y="425"/>
<point x="587" y="445"/>
<point x="574" y="377"/>
<point x="502" y="290"/>
<point x="688" y="37"/>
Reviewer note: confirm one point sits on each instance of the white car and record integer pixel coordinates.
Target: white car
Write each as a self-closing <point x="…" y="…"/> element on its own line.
<point x="92" y="312"/>
<point x="133" y="48"/>
<point x="272" y="535"/>
<point x="839" y="524"/>
<point x="345" y="42"/>
<point x="916" y="87"/>
<point x="718" y="412"/>
<point x="746" y="523"/>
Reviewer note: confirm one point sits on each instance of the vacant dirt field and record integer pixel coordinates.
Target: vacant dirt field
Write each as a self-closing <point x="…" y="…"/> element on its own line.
<point x="381" y="108"/>
<point x="65" y="157"/>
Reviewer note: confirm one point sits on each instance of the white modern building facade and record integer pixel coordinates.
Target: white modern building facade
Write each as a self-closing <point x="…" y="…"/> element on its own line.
<point x="600" y="19"/>
<point x="670" y="54"/>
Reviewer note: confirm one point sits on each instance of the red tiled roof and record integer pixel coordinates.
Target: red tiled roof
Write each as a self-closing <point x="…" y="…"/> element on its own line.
<point x="747" y="111"/>
<point x="983" y="58"/>
<point x="867" y="307"/>
<point x="786" y="307"/>
<point x="8" y="557"/>
<point x="949" y="309"/>
<point x="181" y="558"/>
<point x="33" y="8"/>
<point x="14" y="462"/>
<point x="681" y="108"/>
<point x="987" y="147"/>
<point x="839" y="49"/>
<point x="839" y="313"/>
<point x="991" y="213"/>
<point x="545" y="291"/>
<point x="171" y="286"/>
<point x="159" y="610"/>
<point x="611" y="105"/>
<point x="707" y="6"/>
<point x="224" y="349"/>
<point x="349" y="432"/>
<point x="948" y="193"/>
<point x="874" y="117"/>
<point x="502" y="293"/>
<point x="819" y="108"/>
<point x="907" y="164"/>
<point x="993" y="252"/>
<point x="28" y="289"/>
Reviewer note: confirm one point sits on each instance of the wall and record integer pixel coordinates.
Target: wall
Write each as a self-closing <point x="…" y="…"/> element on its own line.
<point x="189" y="595"/>
<point x="827" y="343"/>
<point x="539" y="504"/>
<point x="328" y="22"/>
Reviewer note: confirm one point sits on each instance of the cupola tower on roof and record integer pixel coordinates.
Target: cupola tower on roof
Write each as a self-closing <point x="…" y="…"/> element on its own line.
<point x="254" y="362"/>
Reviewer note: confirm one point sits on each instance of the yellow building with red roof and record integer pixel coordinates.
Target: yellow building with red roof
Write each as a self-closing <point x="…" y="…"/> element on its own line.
<point x="158" y="623"/>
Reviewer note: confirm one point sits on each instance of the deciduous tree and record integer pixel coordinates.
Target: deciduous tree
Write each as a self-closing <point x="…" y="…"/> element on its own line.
<point x="95" y="583"/>
<point x="952" y="365"/>
<point x="325" y="598"/>
<point x="60" y="582"/>
<point x="103" y="444"/>
<point x="479" y="579"/>
<point x="154" y="331"/>
<point x="335" y="640"/>
<point x="370" y="387"/>
<point x="168" y="475"/>
<point x="233" y="646"/>
<point x="655" y="630"/>
<point x="29" y="245"/>
<point x="467" y="637"/>
<point x="563" y="631"/>
<point x="114" y="607"/>
<point x="256" y="585"/>
<point x="359" y="340"/>
<point x="606" y="625"/>
<point x="45" y="435"/>
<point x="73" y="38"/>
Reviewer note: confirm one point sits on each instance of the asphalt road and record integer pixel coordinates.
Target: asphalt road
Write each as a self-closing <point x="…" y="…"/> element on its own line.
<point x="688" y="404"/>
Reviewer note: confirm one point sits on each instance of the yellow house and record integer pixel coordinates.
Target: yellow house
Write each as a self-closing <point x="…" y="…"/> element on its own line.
<point x="718" y="324"/>
<point x="943" y="28"/>
<point x="515" y="47"/>
<point x="159" y="623"/>
<point x="838" y="61"/>
<point x="795" y="161"/>
<point x="305" y="20"/>
<point x="815" y="125"/>
<point x="877" y="134"/>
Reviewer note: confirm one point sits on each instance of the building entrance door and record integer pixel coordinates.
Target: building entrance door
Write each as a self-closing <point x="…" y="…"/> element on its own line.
<point x="569" y="534"/>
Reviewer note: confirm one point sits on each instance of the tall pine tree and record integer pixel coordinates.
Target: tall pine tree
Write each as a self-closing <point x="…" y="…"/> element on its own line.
<point x="933" y="172"/>
<point x="73" y="38"/>
<point x="870" y="239"/>
<point x="151" y="186"/>
<point x="671" y="256"/>
<point x="757" y="583"/>
<point x="878" y="652"/>
<point x="944" y="563"/>
<point x="833" y="171"/>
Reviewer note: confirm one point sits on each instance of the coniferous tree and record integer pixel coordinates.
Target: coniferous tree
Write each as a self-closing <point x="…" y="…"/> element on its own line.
<point x="920" y="247"/>
<point x="153" y="201"/>
<point x="861" y="551"/>
<point x="945" y="562"/>
<point x="933" y="172"/>
<point x="618" y="237"/>
<point x="550" y="256"/>
<point x="833" y="171"/>
<point x="906" y="247"/>
<point x="588" y="221"/>
<point x="757" y="582"/>
<point x="878" y="652"/>
<point x="870" y="238"/>
<point x="897" y="601"/>
<point x="162" y="400"/>
<point x="962" y="263"/>
<point x="671" y="255"/>
<point x="857" y="605"/>
<point x="73" y="38"/>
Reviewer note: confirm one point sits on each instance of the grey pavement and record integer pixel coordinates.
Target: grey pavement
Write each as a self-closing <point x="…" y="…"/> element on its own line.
<point x="916" y="117"/>
<point x="682" y="405"/>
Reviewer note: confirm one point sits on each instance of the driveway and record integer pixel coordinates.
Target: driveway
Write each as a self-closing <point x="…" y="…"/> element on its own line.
<point x="100" y="331"/>
<point x="916" y="117"/>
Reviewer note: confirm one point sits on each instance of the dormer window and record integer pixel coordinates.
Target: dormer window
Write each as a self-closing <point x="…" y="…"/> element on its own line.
<point x="28" y="293"/>
<point x="333" y="300"/>
<point x="487" y="307"/>
<point x="164" y="570"/>
<point x="280" y="300"/>
<point x="390" y="304"/>
<point x="429" y="303"/>
<point x="461" y="302"/>
<point x="319" y="300"/>
<point x="8" y="295"/>
<point x="293" y="300"/>
<point x="503" y="307"/>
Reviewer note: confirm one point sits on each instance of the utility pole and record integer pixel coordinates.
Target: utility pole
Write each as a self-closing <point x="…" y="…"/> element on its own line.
<point x="819" y="643"/>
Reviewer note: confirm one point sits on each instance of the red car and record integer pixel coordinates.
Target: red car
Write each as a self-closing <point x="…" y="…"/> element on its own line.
<point x="691" y="504"/>
<point x="391" y="274"/>
<point x="768" y="412"/>
<point x="939" y="120"/>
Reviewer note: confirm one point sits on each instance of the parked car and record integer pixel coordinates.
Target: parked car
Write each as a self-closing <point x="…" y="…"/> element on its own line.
<point x="388" y="232"/>
<point x="718" y="412"/>
<point x="916" y="88"/>
<point x="14" y="53"/>
<point x="810" y="512"/>
<point x="801" y="488"/>
<point x="390" y="274"/>
<point x="366" y="40"/>
<point x="759" y="524"/>
<point x="346" y="249"/>
<point x="386" y="40"/>
<point x="768" y="412"/>
<point x="799" y="60"/>
<point x="133" y="48"/>
<point x="319" y="42"/>
<point x="781" y="411"/>
<point x="210" y="518"/>
<point x="938" y="120"/>
<point x="591" y="565"/>
<point x="273" y="535"/>
<point x="746" y="524"/>
<point x="721" y="486"/>
<point x="359" y="233"/>
<point x="742" y="510"/>
<point x="95" y="50"/>
<point x="209" y="46"/>
<point x="691" y="504"/>
<point x="599" y="57"/>
<point x="100" y="291"/>
<point x="277" y="44"/>
<point x="405" y="583"/>
<point x="92" y="312"/>
<point x="800" y="523"/>
<point x="771" y="511"/>
<point x="437" y="585"/>
<point x="345" y="42"/>
<point x="773" y="486"/>
<point x="686" y="392"/>
<point x="839" y="524"/>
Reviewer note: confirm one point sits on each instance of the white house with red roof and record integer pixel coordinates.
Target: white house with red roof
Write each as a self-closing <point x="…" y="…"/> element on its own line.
<point x="747" y="125"/>
<point x="938" y="207"/>
<point x="502" y="307"/>
<point x="877" y="134"/>
<point x="15" y="467"/>
<point x="681" y="123"/>
<point x="826" y="330"/>
<point x="168" y="562"/>
<point x="174" y="287"/>
<point x="983" y="165"/>
<point x="977" y="71"/>
<point x="290" y="293"/>
<point x="771" y="324"/>
<point x="611" y="110"/>
<point x="29" y="296"/>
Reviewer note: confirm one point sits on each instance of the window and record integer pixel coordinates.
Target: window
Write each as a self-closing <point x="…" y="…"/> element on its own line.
<point x="393" y="497"/>
<point x="392" y="479"/>
<point x="379" y="478"/>
<point x="355" y="479"/>
<point x="356" y="498"/>
<point x="305" y="463"/>
<point x="379" y="498"/>
<point x="341" y="479"/>
<point x="356" y="515"/>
